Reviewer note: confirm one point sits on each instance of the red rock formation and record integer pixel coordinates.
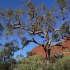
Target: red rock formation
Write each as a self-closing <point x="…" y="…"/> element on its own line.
<point x="38" y="50"/>
<point x="64" y="49"/>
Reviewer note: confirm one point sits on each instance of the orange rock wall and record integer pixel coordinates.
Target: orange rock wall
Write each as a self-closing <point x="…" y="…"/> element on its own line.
<point x="64" y="49"/>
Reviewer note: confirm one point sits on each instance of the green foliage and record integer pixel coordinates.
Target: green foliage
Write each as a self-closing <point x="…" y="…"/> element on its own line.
<point x="20" y="11"/>
<point x="7" y="52"/>
<point x="64" y="28"/>
<point x="31" y="11"/>
<point x="56" y="36"/>
<point x="1" y="30"/>
<point x="8" y="65"/>
<point x="7" y="62"/>
<point x="29" y="4"/>
<point x="19" y="57"/>
<point x="34" y="62"/>
<point x="9" y="12"/>
<point x="24" y="40"/>
<point x="48" y="14"/>
<point x="39" y="19"/>
<point x="1" y="27"/>
<point x="9" y="30"/>
<point x="12" y="63"/>
<point x="36" y="27"/>
<point x="62" y="3"/>
<point x="29" y="54"/>
<point x="52" y="59"/>
<point x="55" y="58"/>
<point x="51" y="67"/>
<point x="4" y="66"/>
<point x="63" y="64"/>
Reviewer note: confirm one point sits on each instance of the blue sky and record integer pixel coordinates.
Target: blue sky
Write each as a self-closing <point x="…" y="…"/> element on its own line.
<point x="5" y="4"/>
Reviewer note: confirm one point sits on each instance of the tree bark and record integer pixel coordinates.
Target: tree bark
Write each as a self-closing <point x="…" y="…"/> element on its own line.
<point x="47" y="51"/>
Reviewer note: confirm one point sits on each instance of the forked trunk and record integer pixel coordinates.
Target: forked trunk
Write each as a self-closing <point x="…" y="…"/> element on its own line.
<point x="47" y="51"/>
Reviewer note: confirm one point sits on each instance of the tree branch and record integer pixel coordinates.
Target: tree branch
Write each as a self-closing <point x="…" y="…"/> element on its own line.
<point x="28" y="41"/>
<point x="41" y="36"/>
<point x="59" y="27"/>
<point x="56" y="43"/>
<point x="18" y="25"/>
<point x="36" y="42"/>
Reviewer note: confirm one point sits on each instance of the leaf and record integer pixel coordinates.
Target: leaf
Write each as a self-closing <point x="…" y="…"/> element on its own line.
<point x="62" y="4"/>
<point x="64" y="28"/>
<point x="1" y="27"/>
<point x="9" y="12"/>
<point x="24" y="40"/>
<point x="39" y="19"/>
<point x="9" y="30"/>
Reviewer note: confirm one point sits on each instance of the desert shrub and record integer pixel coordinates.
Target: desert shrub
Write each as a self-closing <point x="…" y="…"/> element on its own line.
<point x="52" y="59"/>
<point x="60" y="63"/>
<point x="58" y="55"/>
<point x="35" y="62"/>
<point x="63" y="64"/>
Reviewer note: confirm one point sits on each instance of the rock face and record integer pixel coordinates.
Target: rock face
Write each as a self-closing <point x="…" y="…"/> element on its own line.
<point x="37" y="50"/>
<point x="56" y="49"/>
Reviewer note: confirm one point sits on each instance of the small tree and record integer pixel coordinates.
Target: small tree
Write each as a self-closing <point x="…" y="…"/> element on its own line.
<point x="7" y="62"/>
<point x="19" y="57"/>
<point x="38" y="21"/>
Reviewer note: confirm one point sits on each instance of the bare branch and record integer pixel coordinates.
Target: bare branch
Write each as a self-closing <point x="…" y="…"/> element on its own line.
<point x="46" y="37"/>
<point x="36" y="42"/>
<point x="41" y="36"/>
<point x="28" y="41"/>
<point x="56" y="43"/>
<point x="31" y="32"/>
<point x="34" y="32"/>
<point x="59" y="27"/>
<point x="61" y="23"/>
<point x="50" y="40"/>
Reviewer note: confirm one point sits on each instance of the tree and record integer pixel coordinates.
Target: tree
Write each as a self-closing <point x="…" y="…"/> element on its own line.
<point x="7" y="62"/>
<point x="19" y="57"/>
<point x="38" y="21"/>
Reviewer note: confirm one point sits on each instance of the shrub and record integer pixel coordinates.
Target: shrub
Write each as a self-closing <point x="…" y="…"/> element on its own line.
<point x="35" y="62"/>
<point x="63" y="64"/>
<point x="52" y="59"/>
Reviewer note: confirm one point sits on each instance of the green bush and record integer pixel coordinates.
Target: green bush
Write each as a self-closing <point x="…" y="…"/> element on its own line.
<point x="35" y="62"/>
<point x="52" y="59"/>
<point x="60" y="64"/>
<point x="63" y="64"/>
<point x="55" y="58"/>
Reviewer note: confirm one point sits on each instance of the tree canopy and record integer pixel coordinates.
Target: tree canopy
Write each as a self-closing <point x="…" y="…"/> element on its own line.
<point x="30" y="20"/>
